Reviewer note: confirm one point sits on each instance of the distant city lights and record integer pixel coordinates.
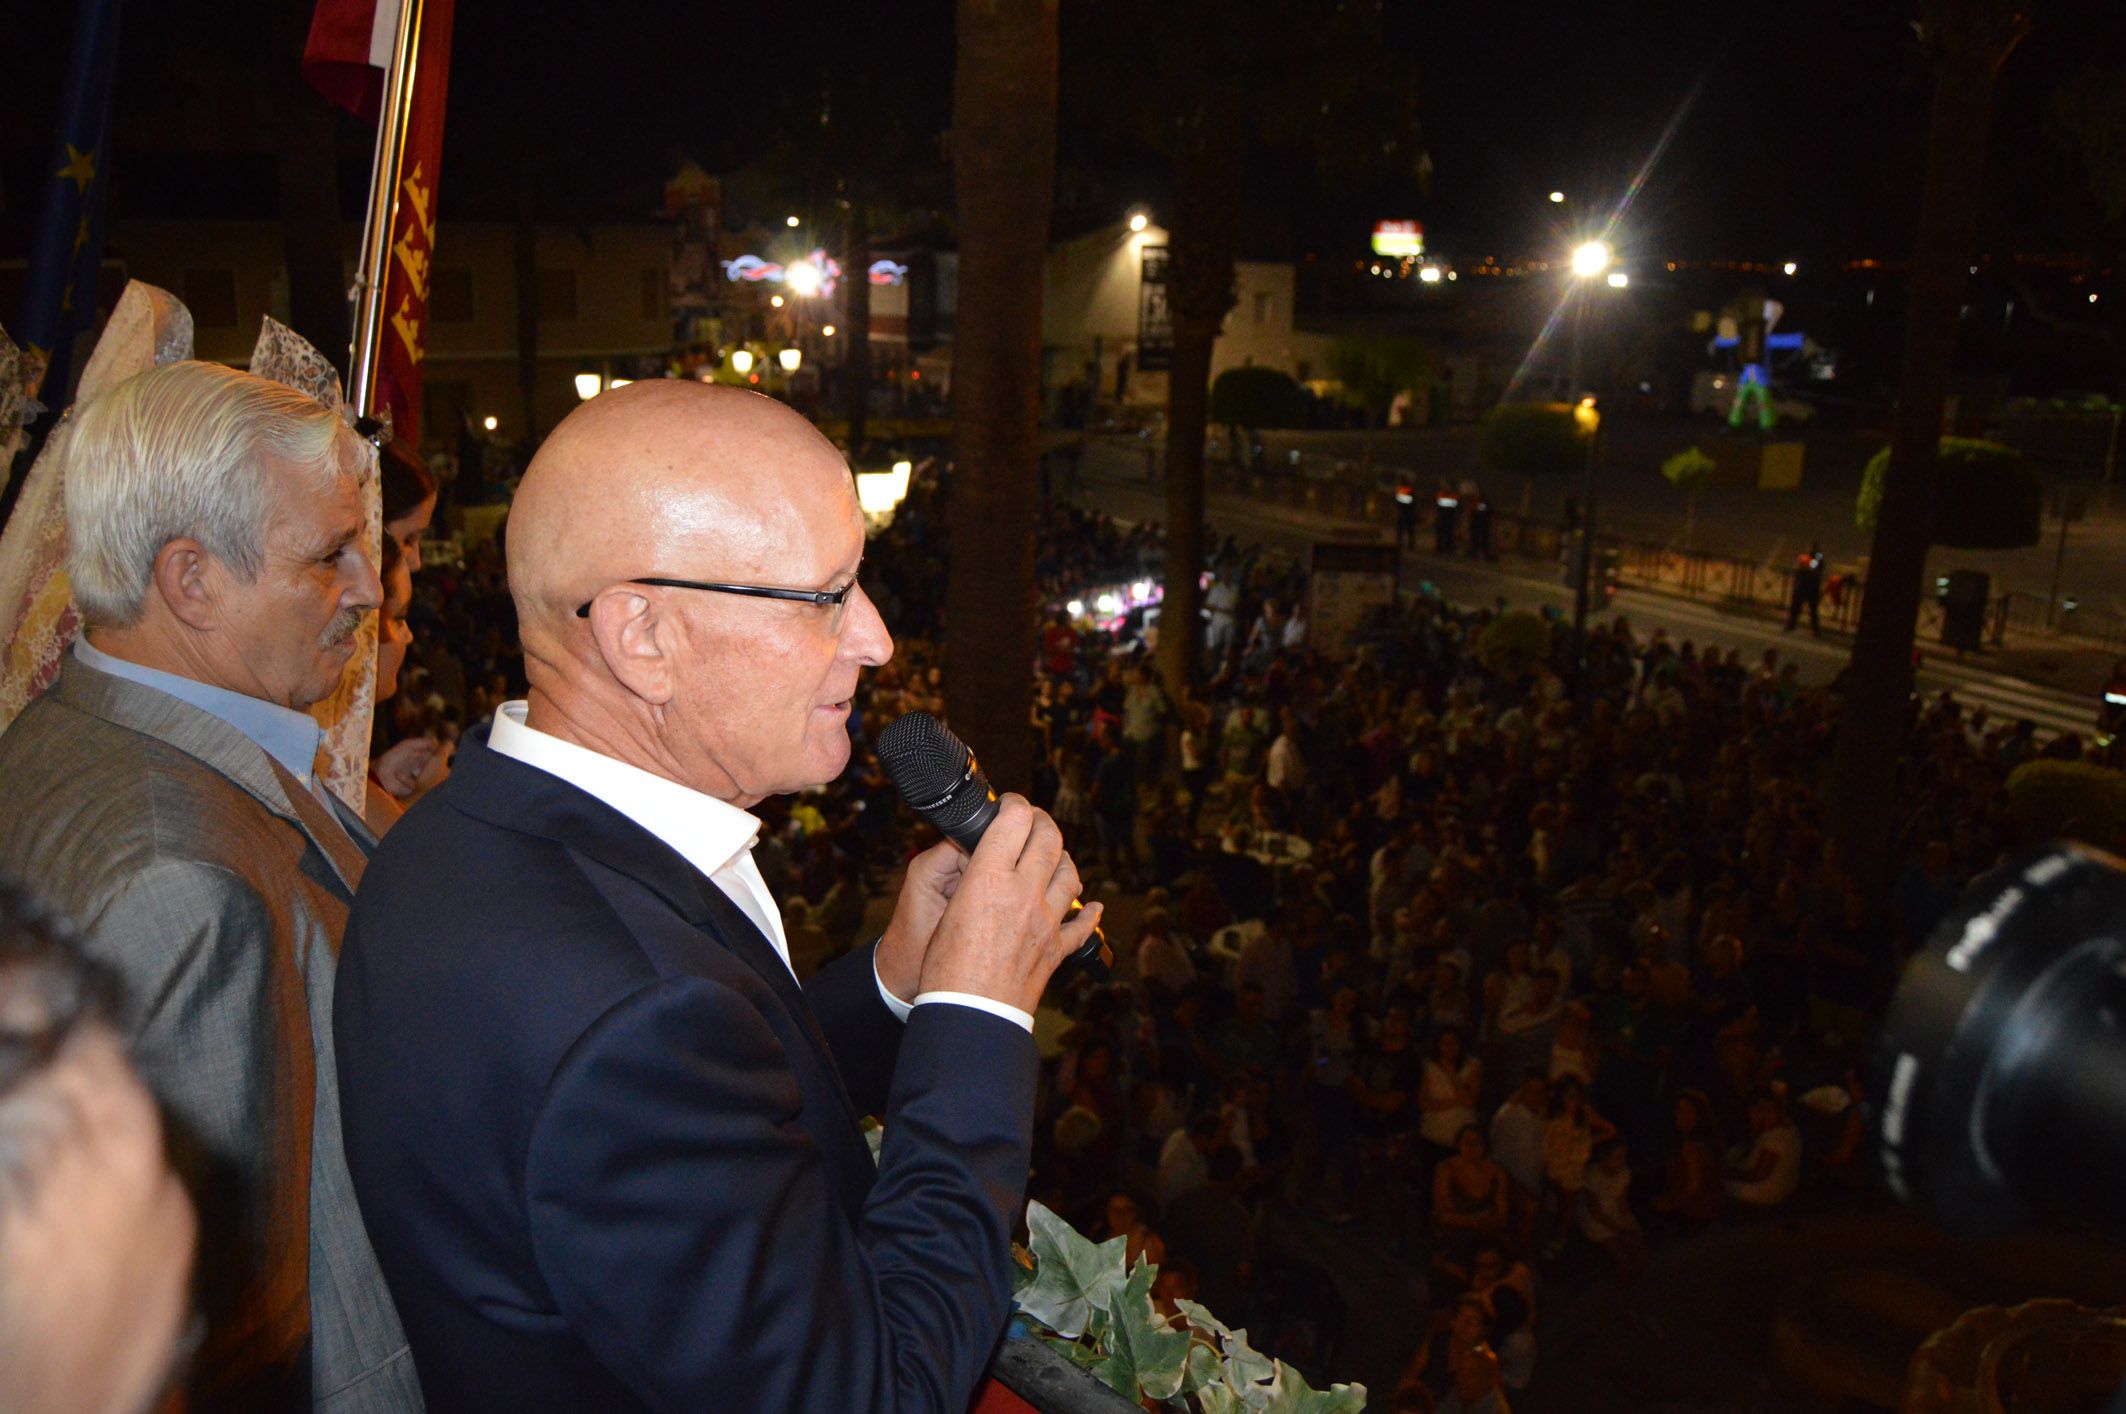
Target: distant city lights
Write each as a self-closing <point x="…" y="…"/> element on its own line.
<point x="1618" y="279"/>
<point x="490" y="422"/>
<point x="791" y="222"/>
<point x="826" y="331"/>
<point x="1557" y="198"/>
<point x="1429" y="274"/>
<point x="1790" y="268"/>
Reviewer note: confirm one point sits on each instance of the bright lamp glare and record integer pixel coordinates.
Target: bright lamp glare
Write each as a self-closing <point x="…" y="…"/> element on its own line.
<point x="1790" y="267"/>
<point x="826" y="331"/>
<point x="1557" y="198"/>
<point x="1075" y="608"/>
<point x="803" y="278"/>
<point x="1428" y="274"/>
<point x="790" y="221"/>
<point x="775" y="301"/>
<point x="588" y="386"/>
<point x="742" y="361"/>
<point x="1142" y="589"/>
<point x="1590" y="258"/>
<point x="1618" y="279"/>
<point x="490" y="423"/>
<point x="1138" y="220"/>
<point x="880" y="491"/>
<point x="789" y="359"/>
<point x="1107" y="603"/>
<point x="619" y="382"/>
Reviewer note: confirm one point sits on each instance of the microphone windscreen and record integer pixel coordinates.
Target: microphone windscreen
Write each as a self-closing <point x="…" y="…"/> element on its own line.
<point x="937" y="775"/>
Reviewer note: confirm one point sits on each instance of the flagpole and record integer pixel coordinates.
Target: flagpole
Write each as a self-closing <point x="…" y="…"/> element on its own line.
<point x="383" y="206"/>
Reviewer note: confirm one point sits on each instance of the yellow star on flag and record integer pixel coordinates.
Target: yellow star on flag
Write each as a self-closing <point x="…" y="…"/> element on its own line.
<point x="81" y="233"/>
<point x="81" y="166"/>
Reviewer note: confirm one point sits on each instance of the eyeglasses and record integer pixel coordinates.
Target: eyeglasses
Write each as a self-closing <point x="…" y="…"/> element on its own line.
<point x="837" y="599"/>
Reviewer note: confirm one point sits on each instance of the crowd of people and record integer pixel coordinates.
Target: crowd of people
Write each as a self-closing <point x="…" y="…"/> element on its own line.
<point x="1522" y="978"/>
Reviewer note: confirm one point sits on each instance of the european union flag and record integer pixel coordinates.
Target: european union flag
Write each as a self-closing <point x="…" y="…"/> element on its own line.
<point x="67" y="255"/>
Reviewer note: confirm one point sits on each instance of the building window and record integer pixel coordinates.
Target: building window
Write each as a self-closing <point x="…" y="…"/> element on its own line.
<point x="211" y="296"/>
<point x="450" y="295"/>
<point x="1262" y="306"/>
<point x="557" y="295"/>
<point x="653" y="293"/>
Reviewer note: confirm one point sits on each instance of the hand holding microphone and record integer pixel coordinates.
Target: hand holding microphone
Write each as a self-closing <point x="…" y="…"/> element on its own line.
<point x="1003" y="878"/>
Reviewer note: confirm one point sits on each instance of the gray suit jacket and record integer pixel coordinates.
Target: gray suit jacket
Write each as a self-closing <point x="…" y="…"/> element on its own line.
<point x="217" y="887"/>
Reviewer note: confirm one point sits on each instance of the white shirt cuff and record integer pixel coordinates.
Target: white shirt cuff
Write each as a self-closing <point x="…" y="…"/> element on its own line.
<point x="899" y="1008"/>
<point x="994" y="1008"/>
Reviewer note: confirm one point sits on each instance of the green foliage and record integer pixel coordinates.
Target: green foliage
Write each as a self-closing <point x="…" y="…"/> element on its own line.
<point x="1688" y="468"/>
<point x="1531" y="439"/>
<point x="1513" y="643"/>
<point x="2069" y="800"/>
<point x="1986" y="496"/>
<point x="1374" y="372"/>
<point x="1110" y="1327"/>
<point x="1258" y="397"/>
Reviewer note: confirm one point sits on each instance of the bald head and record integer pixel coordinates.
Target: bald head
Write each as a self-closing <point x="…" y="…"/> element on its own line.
<point x="737" y="696"/>
<point x="664" y="477"/>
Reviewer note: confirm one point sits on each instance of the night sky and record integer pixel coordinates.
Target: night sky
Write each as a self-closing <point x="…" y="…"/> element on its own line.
<point x="1803" y="139"/>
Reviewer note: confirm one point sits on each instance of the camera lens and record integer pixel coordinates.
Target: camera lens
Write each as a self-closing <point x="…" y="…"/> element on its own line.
<point x="2000" y="1078"/>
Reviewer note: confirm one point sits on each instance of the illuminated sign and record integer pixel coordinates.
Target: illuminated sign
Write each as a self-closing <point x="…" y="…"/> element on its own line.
<point x="753" y="270"/>
<point x="1398" y="240"/>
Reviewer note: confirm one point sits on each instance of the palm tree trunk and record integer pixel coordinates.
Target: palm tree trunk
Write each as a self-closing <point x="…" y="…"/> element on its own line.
<point x="1968" y="40"/>
<point x="1199" y="292"/>
<point x="1003" y="164"/>
<point x="856" y="358"/>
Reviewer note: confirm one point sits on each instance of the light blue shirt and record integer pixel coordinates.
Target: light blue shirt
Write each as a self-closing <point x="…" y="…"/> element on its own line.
<point x="288" y="736"/>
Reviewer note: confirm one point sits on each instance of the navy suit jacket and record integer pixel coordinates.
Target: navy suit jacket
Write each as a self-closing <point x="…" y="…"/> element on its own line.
<point x="608" y="1151"/>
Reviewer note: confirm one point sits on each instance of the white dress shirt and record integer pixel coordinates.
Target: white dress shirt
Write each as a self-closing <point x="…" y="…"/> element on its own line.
<point x="713" y="835"/>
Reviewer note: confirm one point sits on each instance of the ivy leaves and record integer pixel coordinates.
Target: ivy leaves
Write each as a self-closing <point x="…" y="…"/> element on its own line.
<point x="1100" y="1313"/>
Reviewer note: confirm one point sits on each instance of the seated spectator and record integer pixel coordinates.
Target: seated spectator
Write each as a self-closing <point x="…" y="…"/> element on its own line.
<point x="1247" y="1042"/>
<point x="1765" y="1171"/>
<point x="1569" y="1141"/>
<point x="1517" y="1132"/>
<point x="1164" y="966"/>
<point x="1575" y="1054"/>
<point x="1447" y="1092"/>
<point x="1124" y="1218"/>
<point x="1182" y="1167"/>
<point x="1210" y="1227"/>
<point x="1694" y="1193"/>
<point x="1478" y="1386"/>
<point x="1451" y="1338"/>
<point x="1606" y="1217"/>
<point x="96" y="1234"/>
<point x="1470" y="1198"/>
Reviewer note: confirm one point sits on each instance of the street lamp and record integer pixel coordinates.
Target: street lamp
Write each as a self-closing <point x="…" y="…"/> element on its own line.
<point x="1557" y="198"/>
<point x="803" y="278"/>
<point x="490" y="422"/>
<point x="1789" y="268"/>
<point x="1139" y="219"/>
<point x="790" y="221"/>
<point x="741" y="361"/>
<point x="588" y="385"/>
<point x="1618" y="279"/>
<point x="789" y="358"/>
<point x="1590" y="258"/>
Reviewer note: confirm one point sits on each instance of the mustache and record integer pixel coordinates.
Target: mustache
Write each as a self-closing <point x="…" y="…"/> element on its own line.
<point x="344" y="626"/>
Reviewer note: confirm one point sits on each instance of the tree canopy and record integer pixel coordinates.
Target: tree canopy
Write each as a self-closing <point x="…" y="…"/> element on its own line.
<point x="1986" y="496"/>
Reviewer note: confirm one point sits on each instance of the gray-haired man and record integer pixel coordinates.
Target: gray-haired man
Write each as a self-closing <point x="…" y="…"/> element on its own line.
<point x="164" y="793"/>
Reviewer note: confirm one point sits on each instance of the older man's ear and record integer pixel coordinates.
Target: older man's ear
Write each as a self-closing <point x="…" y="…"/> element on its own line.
<point x="637" y="639"/>
<point x="184" y="580"/>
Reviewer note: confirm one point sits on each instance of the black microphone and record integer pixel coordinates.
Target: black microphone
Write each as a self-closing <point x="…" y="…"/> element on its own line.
<point x="938" y="776"/>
